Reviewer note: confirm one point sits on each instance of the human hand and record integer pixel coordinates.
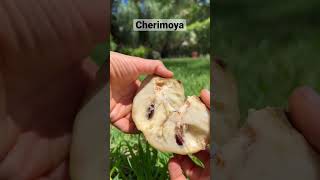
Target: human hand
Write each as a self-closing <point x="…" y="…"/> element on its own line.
<point x="181" y="166"/>
<point x="124" y="71"/>
<point x="44" y="74"/>
<point x="304" y="105"/>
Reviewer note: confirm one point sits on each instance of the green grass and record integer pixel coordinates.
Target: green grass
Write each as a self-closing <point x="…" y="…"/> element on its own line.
<point x="131" y="157"/>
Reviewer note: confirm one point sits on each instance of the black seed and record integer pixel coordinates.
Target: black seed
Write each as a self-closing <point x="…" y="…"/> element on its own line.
<point x="179" y="135"/>
<point x="220" y="62"/>
<point x="150" y="111"/>
<point x="179" y="140"/>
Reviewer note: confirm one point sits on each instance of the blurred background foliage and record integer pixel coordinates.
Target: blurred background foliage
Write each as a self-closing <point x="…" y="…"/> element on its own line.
<point x="158" y="45"/>
<point x="271" y="46"/>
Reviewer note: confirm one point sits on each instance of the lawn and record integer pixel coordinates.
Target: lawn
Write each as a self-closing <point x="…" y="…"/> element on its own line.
<point x="130" y="156"/>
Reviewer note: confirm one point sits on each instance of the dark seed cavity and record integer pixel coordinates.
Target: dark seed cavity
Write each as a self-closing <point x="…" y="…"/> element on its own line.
<point x="220" y="62"/>
<point x="179" y="140"/>
<point x="179" y="135"/>
<point x="150" y="111"/>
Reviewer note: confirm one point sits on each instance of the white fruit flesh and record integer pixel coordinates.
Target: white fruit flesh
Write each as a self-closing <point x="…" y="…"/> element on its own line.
<point x="175" y="124"/>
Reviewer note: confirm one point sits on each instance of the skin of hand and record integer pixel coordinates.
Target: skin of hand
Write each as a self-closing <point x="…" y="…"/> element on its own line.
<point x="124" y="72"/>
<point x="181" y="166"/>
<point x="304" y="106"/>
<point x="44" y="74"/>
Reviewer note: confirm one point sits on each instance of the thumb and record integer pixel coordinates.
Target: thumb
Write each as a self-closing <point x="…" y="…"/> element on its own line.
<point x="304" y="104"/>
<point x="147" y="66"/>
